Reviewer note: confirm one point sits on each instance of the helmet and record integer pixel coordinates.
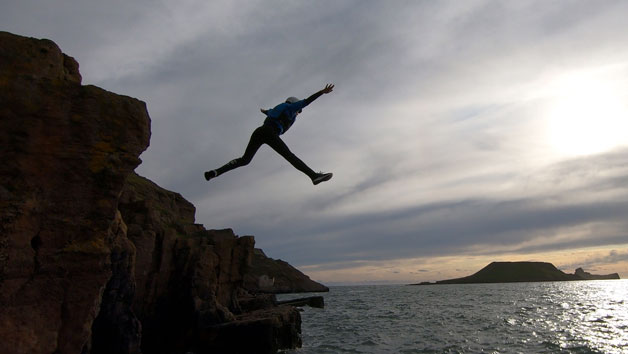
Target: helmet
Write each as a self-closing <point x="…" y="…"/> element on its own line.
<point x="292" y="99"/>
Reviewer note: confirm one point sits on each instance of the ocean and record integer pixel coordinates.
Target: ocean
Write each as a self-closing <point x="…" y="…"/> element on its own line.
<point x="552" y="317"/>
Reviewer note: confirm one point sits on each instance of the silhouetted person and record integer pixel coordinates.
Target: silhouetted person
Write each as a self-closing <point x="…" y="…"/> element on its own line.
<point x="278" y="121"/>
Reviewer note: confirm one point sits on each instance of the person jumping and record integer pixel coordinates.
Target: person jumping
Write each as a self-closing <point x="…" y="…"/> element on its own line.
<point x="278" y="120"/>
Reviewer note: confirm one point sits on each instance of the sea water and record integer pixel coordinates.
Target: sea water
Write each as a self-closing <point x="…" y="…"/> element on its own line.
<point x="553" y="317"/>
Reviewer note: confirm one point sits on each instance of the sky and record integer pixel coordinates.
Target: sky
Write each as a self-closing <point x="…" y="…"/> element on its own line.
<point x="459" y="132"/>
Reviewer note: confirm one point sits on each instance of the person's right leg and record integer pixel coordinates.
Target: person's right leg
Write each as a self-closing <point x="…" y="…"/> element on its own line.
<point x="257" y="139"/>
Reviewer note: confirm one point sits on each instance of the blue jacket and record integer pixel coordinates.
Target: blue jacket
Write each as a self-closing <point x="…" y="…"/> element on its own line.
<point x="283" y="115"/>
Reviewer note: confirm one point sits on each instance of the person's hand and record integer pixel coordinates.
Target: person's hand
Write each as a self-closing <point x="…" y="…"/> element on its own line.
<point x="328" y="88"/>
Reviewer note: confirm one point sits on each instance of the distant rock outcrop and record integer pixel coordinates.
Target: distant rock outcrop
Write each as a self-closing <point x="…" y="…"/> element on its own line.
<point x="508" y="272"/>
<point x="511" y="272"/>
<point x="93" y="258"/>
<point x="275" y="276"/>
<point x="580" y="273"/>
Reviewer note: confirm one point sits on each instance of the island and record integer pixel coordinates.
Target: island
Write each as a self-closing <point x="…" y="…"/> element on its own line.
<point x="513" y="272"/>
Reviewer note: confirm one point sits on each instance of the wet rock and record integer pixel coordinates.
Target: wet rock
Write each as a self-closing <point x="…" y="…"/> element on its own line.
<point x="312" y="301"/>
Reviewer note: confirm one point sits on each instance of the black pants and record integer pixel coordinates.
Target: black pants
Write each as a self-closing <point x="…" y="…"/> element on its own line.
<point x="266" y="134"/>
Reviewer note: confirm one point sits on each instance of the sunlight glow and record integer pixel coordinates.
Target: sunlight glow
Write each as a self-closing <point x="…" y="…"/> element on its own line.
<point x="589" y="114"/>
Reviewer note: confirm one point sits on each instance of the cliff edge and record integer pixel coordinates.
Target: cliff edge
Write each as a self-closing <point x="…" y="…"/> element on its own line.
<point x="94" y="258"/>
<point x="274" y="276"/>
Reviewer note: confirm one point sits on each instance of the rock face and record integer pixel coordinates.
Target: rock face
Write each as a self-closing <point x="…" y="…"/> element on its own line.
<point x="66" y="152"/>
<point x="189" y="280"/>
<point x="510" y="272"/>
<point x="275" y="276"/>
<point x="93" y="258"/>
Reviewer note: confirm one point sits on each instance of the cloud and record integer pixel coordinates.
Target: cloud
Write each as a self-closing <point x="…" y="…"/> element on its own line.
<point x="569" y="217"/>
<point x="435" y="132"/>
<point x="596" y="259"/>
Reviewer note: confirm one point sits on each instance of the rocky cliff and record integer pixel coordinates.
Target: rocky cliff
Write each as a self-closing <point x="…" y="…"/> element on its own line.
<point x="189" y="280"/>
<point x="66" y="152"/>
<point x="275" y="276"/>
<point x="93" y="258"/>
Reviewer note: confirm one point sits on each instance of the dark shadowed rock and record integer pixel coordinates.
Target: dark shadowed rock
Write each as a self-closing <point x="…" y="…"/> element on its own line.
<point x="116" y="328"/>
<point x="262" y="331"/>
<point x="189" y="281"/>
<point x="275" y="276"/>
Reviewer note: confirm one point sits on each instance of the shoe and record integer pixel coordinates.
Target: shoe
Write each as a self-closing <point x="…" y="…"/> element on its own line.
<point x="322" y="177"/>
<point x="210" y="174"/>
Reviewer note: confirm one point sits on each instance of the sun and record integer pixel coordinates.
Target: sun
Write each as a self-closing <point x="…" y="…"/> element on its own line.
<point x="588" y="113"/>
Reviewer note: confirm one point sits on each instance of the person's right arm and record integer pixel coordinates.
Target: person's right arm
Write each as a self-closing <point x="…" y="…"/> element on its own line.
<point x="328" y="88"/>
